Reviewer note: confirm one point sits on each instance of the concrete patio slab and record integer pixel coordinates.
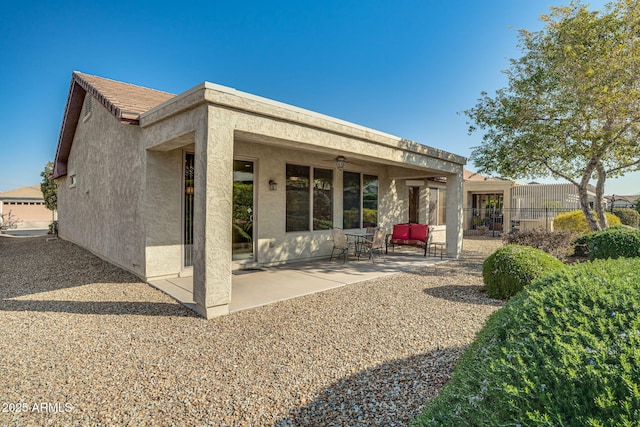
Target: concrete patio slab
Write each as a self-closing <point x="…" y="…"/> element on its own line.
<point x="254" y="288"/>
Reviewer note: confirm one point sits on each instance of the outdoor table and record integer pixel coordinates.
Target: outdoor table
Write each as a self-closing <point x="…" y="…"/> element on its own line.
<point x="358" y="240"/>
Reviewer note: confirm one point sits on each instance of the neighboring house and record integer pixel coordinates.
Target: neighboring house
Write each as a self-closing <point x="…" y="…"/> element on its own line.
<point x="26" y="205"/>
<point x="215" y="179"/>
<point x="621" y="201"/>
<point x="483" y="199"/>
<point x="501" y="205"/>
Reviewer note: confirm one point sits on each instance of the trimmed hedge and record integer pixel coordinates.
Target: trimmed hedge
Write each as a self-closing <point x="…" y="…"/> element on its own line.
<point x="512" y="267"/>
<point x="614" y="242"/>
<point x="564" y="352"/>
<point x="576" y="221"/>
<point x="628" y="216"/>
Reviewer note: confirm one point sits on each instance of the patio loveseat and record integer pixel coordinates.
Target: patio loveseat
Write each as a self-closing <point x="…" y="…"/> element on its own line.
<point x="409" y="234"/>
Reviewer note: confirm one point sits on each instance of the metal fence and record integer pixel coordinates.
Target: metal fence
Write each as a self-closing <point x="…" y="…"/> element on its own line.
<point x="495" y="221"/>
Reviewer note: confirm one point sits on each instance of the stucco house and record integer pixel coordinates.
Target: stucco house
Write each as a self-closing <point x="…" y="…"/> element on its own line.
<point x="619" y="201"/>
<point x="26" y="205"/>
<point x="214" y="179"/>
<point x="503" y="205"/>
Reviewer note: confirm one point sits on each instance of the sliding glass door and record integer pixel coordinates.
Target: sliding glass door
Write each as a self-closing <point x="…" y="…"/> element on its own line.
<point x="187" y="214"/>
<point x="243" y="210"/>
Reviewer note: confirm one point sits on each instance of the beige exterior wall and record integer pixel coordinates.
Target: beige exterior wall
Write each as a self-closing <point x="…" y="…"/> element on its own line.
<point x="274" y="244"/>
<point x="163" y="213"/>
<point x="103" y="211"/>
<point x="32" y="215"/>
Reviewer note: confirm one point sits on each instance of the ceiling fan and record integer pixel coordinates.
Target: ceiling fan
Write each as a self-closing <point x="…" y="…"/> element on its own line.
<point x="341" y="161"/>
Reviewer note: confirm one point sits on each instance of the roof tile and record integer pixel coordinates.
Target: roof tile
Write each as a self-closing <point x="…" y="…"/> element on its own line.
<point x="125" y="100"/>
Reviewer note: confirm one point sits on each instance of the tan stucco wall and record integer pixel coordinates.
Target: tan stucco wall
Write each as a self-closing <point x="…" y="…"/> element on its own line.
<point x="30" y="214"/>
<point x="487" y="187"/>
<point x="104" y="211"/>
<point x="163" y="212"/>
<point x="274" y="244"/>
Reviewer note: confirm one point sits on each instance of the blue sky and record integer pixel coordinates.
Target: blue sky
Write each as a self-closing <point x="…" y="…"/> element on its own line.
<point x="403" y="67"/>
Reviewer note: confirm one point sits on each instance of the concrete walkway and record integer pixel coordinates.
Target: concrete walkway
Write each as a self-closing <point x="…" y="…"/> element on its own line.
<point x="254" y="288"/>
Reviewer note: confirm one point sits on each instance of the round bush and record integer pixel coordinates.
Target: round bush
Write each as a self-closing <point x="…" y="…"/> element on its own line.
<point x="512" y="267"/>
<point x="564" y="352"/>
<point x="576" y="221"/>
<point x="615" y="242"/>
<point x="628" y="216"/>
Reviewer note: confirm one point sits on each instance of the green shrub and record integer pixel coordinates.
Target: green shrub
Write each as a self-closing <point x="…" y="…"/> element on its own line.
<point x="564" y="352"/>
<point x="581" y="244"/>
<point x="512" y="267"/>
<point x="628" y="216"/>
<point x="558" y="243"/>
<point x="614" y="242"/>
<point x="576" y="221"/>
<point x="53" y="228"/>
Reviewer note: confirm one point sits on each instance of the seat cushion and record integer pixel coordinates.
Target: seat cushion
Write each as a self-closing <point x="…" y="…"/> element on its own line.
<point x="419" y="232"/>
<point x="400" y="232"/>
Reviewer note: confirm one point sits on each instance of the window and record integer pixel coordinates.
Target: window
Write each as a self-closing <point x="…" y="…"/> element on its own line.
<point x="359" y="200"/>
<point x="351" y="200"/>
<point x="414" y="204"/>
<point x="437" y="206"/>
<point x="307" y="210"/>
<point x="322" y="199"/>
<point x="369" y="201"/>
<point x="298" y="197"/>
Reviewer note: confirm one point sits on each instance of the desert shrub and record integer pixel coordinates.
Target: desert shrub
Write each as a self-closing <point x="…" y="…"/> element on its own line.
<point x="53" y="228"/>
<point x="614" y="242"/>
<point x="512" y="267"/>
<point x="564" y="352"/>
<point x="628" y="216"/>
<point x="558" y="243"/>
<point x="576" y="221"/>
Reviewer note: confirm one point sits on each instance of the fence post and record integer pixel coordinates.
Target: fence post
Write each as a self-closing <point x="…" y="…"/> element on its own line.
<point x="546" y="218"/>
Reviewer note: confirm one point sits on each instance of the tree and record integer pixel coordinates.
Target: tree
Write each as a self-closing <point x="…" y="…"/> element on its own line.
<point x="571" y="108"/>
<point x="49" y="187"/>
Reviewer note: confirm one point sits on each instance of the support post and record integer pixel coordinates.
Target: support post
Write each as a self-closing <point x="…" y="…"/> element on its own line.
<point x="213" y="214"/>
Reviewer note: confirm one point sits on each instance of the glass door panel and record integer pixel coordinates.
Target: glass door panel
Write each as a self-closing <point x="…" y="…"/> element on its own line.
<point x="243" y="210"/>
<point x="187" y="215"/>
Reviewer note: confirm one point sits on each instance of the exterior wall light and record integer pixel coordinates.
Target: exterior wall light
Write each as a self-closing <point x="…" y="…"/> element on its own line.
<point x="273" y="186"/>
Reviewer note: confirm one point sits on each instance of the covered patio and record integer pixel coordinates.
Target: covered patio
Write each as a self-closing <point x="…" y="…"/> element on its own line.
<point x="295" y="175"/>
<point x="262" y="286"/>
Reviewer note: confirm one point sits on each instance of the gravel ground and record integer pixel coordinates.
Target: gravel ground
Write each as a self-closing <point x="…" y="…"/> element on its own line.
<point x="85" y="343"/>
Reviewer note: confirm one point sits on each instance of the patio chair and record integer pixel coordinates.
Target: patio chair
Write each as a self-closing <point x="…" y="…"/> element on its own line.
<point x="377" y="244"/>
<point x="340" y="244"/>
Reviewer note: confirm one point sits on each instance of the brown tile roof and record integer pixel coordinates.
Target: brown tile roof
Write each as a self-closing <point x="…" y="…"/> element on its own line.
<point x="124" y="100"/>
<point x="32" y="192"/>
